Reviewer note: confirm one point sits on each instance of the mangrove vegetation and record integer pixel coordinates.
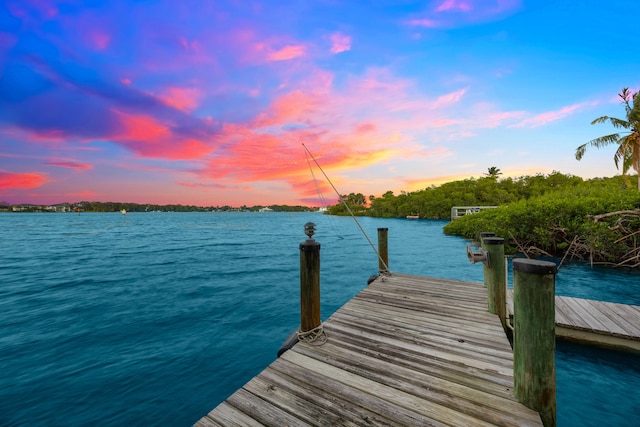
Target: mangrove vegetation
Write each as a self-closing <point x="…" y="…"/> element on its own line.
<point x="564" y="216"/>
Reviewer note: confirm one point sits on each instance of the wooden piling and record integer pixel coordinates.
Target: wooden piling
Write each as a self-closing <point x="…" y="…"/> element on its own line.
<point x="309" y="281"/>
<point x="534" y="342"/>
<point x="383" y="250"/>
<point x="495" y="278"/>
<point x="405" y="351"/>
<point x="483" y="235"/>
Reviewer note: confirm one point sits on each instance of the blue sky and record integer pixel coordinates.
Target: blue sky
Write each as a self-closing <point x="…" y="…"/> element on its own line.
<point x="208" y="102"/>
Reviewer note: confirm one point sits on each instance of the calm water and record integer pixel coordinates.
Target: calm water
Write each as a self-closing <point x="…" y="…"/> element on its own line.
<point x="155" y="318"/>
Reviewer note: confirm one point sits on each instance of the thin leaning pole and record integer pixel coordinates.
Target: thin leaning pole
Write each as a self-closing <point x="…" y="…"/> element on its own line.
<point x="348" y="208"/>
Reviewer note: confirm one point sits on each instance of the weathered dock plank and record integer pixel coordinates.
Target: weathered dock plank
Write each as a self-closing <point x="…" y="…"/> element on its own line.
<point x="596" y="322"/>
<point x="406" y="350"/>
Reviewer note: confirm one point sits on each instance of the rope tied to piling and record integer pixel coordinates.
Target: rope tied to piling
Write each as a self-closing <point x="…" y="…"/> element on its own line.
<point x="315" y="336"/>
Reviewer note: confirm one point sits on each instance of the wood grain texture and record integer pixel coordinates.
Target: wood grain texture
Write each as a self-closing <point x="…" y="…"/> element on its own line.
<point x="595" y="320"/>
<point x="406" y="351"/>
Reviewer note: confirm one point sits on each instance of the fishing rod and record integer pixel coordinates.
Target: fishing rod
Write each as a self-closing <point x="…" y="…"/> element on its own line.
<point x="386" y="267"/>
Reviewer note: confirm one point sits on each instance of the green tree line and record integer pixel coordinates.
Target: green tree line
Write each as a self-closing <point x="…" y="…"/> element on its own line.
<point x="596" y="221"/>
<point x="436" y="202"/>
<point x="552" y="215"/>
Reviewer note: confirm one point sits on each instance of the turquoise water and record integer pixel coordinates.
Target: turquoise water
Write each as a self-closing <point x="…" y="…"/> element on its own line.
<point x="154" y="318"/>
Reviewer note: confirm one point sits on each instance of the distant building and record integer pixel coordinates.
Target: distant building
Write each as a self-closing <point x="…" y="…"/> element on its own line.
<point x="267" y="209"/>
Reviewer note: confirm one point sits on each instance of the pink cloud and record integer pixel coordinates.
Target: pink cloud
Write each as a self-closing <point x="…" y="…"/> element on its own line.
<point x="365" y="128"/>
<point x="185" y="99"/>
<point x="147" y="137"/>
<point x="346" y="128"/>
<point x="552" y="116"/>
<point x="423" y="104"/>
<point x="458" y="13"/>
<point x="189" y="45"/>
<point x="21" y="181"/>
<point x="379" y="80"/>
<point x="443" y="122"/>
<point x="449" y="98"/>
<point x="423" y="22"/>
<point x="286" y="53"/>
<point x="340" y="42"/>
<point x="454" y="5"/>
<point x="70" y="165"/>
<point x="249" y="47"/>
<point x="100" y="40"/>
<point x="497" y="119"/>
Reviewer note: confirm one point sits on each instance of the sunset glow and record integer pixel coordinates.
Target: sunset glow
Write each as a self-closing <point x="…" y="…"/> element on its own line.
<point x="209" y="103"/>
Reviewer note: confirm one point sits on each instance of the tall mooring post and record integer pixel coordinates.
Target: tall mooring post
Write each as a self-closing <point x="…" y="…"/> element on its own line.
<point x="495" y="278"/>
<point x="534" y="337"/>
<point x="309" y="281"/>
<point x="483" y="235"/>
<point x="383" y="250"/>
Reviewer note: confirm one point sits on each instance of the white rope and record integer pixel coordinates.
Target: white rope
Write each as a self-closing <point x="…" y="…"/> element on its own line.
<point x="313" y="335"/>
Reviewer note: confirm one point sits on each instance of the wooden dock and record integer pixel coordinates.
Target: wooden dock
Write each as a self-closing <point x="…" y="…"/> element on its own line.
<point x="458" y="212"/>
<point x="406" y="351"/>
<point x="595" y="322"/>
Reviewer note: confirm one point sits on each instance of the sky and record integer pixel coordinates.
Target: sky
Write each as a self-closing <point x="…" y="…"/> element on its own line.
<point x="209" y="102"/>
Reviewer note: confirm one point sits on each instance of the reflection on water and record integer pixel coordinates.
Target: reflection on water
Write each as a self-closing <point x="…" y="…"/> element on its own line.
<point x="155" y="318"/>
<point x="596" y="386"/>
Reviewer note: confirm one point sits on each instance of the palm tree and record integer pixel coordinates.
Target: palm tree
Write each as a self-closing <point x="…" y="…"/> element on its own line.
<point x="628" y="152"/>
<point x="493" y="172"/>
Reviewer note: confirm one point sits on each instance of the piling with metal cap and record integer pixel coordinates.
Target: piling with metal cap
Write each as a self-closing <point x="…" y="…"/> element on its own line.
<point x="383" y="250"/>
<point x="495" y="278"/>
<point x="309" y="281"/>
<point x="534" y="340"/>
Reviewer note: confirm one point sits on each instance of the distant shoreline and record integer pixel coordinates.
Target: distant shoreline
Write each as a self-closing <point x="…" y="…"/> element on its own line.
<point x="136" y="207"/>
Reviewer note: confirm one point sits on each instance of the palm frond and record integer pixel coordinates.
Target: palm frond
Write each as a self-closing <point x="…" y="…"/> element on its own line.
<point x="597" y="143"/>
<point x="624" y="94"/>
<point x="635" y="156"/>
<point x="622" y="156"/>
<point x="627" y="154"/>
<point x="580" y="151"/>
<point x="633" y="115"/>
<point x="603" y="141"/>
<point x="618" y="123"/>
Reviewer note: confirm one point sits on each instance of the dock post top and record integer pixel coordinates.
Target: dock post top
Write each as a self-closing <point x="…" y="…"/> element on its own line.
<point x="493" y="241"/>
<point x="534" y="266"/>
<point x="310" y="244"/>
